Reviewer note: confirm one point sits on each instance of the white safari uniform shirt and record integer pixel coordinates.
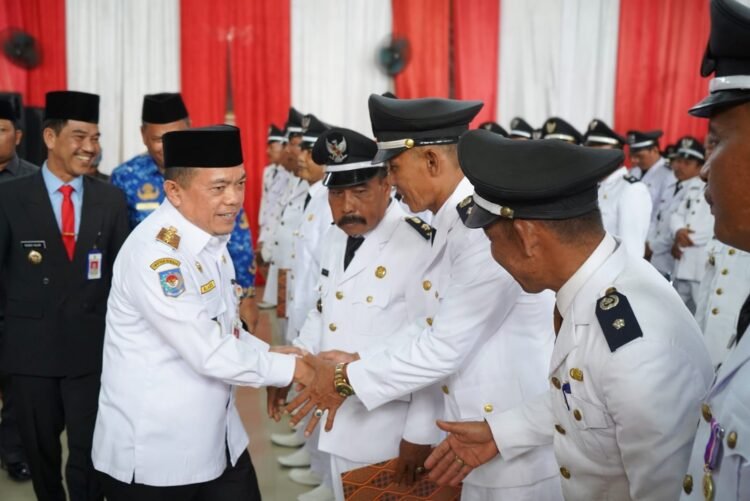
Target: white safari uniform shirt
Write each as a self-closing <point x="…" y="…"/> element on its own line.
<point x="166" y="406"/>
<point x="275" y="183"/>
<point x="302" y="284"/>
<point x="660" y="237"/>
<point x="693" y="213"/>
<point x="364" y="310"/>
<point x="723" y="290"/>
<point x="625" y="204"/>
<point x="467" y="298"/>
<point x="658" y="179"/>
<point x="726" y="407"/>
<point x="620" y="419"/>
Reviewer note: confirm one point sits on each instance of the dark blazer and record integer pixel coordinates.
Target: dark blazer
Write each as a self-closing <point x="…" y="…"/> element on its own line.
<point x="54" y="316"/>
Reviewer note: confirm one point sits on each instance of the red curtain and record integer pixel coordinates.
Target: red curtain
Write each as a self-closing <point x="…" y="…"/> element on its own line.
<point x="476" y="28"/>
<point x="426" y="23"/>
<point x="661" y="45"/>
<point x="261" y="82"/>
<point x="250" y="41"/>
<point x="45" y="21"/>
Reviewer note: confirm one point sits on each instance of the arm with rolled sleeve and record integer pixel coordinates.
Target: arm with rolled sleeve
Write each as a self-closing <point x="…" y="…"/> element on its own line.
<point x="240" y="248"/>
<point x="185" y="325"/>
<point x="479" y="296"/>
<point x="521" y="429"/>
<point x="652" y="391"/>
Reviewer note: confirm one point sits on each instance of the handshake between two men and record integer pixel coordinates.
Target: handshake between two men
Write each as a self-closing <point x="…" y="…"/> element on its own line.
<point x="319" y="393"/>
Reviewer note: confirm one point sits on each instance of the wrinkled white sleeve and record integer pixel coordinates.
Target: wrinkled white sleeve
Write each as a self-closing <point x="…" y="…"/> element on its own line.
<point x="521" y="429"/>
<point x="309" y="335"/>
<point x="634" y="217"/>
<point x="479" y="296"/>
<point x="653" y="392"/>
<point x="185" y="325"/>
<point x="425" y="407"/>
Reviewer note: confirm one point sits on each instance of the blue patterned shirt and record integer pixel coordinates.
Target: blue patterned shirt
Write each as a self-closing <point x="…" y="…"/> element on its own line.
<point x="143" y="185"/>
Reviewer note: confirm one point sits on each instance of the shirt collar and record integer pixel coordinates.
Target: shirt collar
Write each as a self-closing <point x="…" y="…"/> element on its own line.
<point x="621" y="172"/>
<point x="316" y="188"/>
<point x="448" y="212"/>
<point x="192" y="237"/>
<point x="568" y="292"/>
<point x="54" y="183"/>
<point x="12" y="166"/>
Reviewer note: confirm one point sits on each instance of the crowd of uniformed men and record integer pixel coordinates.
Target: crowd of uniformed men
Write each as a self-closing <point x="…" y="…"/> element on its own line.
<point x="512" y="313"/>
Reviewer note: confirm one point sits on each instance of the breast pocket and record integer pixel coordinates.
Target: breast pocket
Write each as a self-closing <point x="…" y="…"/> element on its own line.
<point x="371" y="315"/>
<point x="593" y="426"/>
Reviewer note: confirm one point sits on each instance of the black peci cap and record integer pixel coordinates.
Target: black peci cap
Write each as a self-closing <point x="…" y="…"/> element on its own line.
<point x="347" y="155"/>
<point x="163" y="108"/>
<point x="213" y="146"/>
<point x="401" y="124"/>
<point x="72" y="105"/>
<point x="8" y="109"/>
<point x="727" y="57"/>
<point x="549" y="180"/>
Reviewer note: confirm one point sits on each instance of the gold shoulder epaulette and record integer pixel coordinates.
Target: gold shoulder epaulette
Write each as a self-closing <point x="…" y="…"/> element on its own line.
<point x="169" y="237"/>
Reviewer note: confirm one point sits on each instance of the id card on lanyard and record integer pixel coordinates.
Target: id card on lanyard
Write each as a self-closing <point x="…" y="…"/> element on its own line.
<point x="94" y="262"/>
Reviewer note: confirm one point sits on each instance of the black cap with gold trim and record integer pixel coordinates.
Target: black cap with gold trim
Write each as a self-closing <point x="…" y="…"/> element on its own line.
<point x="214" y="146"/>
<point x="347" y="155"/>
<point x="548" y="180"/>
<point x="601" y="134"/>
<point x="401" y="124"/>
<point x="72" y="105"/>
<point x="494" y="127"/>
<point x="726" y="57"/>
<point x="557" y="128"/>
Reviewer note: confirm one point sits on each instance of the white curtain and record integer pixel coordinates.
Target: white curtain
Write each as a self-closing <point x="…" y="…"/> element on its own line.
<point x="334" y="44"/>
<point x="122" y="50"/>
<point x="558" y="58"/>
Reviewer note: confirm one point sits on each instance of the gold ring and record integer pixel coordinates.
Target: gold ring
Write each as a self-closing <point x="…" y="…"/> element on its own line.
<point x="420" y="469"/>
<point x="460" y="461"/>
<point x="318" y="413"/>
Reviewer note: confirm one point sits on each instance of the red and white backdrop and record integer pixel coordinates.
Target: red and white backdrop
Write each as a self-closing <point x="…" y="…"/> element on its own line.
<point x="632" y="63"/>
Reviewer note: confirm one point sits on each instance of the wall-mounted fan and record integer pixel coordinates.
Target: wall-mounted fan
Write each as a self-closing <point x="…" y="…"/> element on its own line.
<point x="20" y="48"/>
<point x="393" y="55"/>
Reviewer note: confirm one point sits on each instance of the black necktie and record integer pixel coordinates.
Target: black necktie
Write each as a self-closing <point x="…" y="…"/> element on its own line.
<point x="352" y="244"/>
<point x="744" y="320"/>
<point x="677" y="188"/>
<point x="307" y="201"/>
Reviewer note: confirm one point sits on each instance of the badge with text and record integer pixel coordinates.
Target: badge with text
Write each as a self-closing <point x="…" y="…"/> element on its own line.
<point x="94" y="265"/>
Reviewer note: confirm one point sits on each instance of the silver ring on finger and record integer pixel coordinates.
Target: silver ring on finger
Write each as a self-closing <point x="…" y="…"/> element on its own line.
<point x="318" y="413"/>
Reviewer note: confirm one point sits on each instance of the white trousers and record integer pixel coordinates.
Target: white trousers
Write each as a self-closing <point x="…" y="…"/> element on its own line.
<point x="545" y="490"/>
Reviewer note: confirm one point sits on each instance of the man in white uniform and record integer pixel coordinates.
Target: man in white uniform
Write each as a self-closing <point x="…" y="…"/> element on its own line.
<point x="720" y="462"/>
<point x="365" y="277"/>
<point x="629" y="366"/>
<point x="691" y="224"/>
<point x="625" y="203"/>
<point x="174" y="347"/>
<point x="648" y="164"/>
<point x="274" y="176"/>
<point x="482" y="336"/>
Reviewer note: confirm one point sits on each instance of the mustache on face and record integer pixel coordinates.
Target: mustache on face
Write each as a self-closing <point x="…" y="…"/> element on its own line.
<point x="351" y="219"/>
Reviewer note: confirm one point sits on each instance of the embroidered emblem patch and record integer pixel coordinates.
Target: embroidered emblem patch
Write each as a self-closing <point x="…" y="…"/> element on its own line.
<point x="164" y="260"/>
<point x="211" y="285"/>
<point x="172" y="283"/>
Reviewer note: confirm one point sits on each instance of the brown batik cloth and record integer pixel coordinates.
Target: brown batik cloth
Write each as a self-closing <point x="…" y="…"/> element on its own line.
<point x="375" y="483"/>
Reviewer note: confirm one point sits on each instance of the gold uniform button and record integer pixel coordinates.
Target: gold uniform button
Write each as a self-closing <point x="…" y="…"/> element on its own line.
<point x="576" y="374"/>
<point x="332" y="327"/>
<point x="380" y="271"/>
<point x="488" y="408"/>
<point x="556" y="383"/>
<point x="35" y="257"/>
<point x="719" y="291"/>
<point x="687" y="484"/>
<point x="560" y="429"/>
<point x="339" y="295"/>
<point x="369" y="299"/>
<point x="732" y="252"/>
<point x="706" y="411"/>
<point x="577" y="414"/>
<point x="429" y="321"/>
<point x="445" y="389"/>
<point x="732" y="439"/>
<point x="724" y="271"/>
<point x="427" y="285"/>
<point x="715" y="311"/>
<point x="564" y="472"/>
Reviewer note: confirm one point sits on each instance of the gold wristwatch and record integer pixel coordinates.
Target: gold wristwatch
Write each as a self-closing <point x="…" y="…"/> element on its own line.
<point x="341" y="382"/>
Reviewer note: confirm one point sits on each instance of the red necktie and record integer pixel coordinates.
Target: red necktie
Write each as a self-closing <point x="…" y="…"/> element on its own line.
<point x="68" y="220"/>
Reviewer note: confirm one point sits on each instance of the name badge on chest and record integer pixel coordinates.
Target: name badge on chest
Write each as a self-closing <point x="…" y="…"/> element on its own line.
<point x="94" y="265"/>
